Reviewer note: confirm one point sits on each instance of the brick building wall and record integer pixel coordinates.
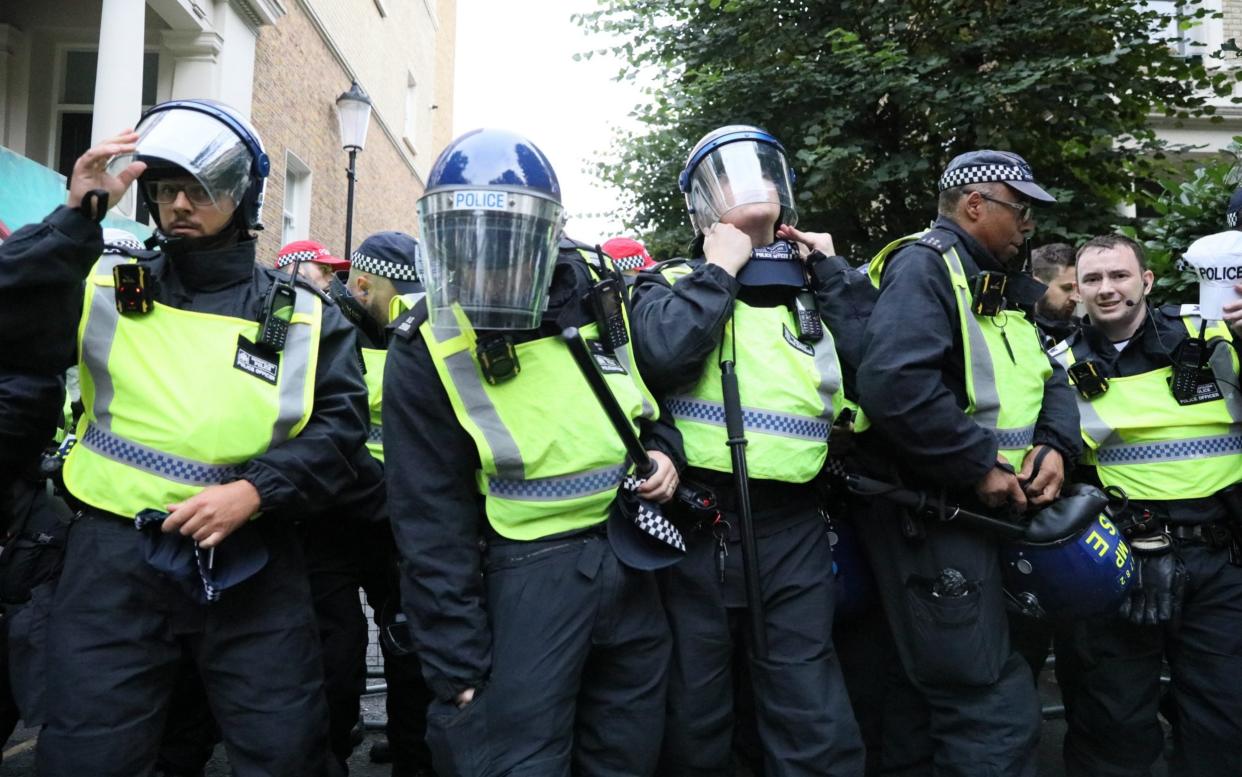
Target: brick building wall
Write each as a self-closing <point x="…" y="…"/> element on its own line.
<point x="297" y="80"/>
<point x="1232" y="22"/>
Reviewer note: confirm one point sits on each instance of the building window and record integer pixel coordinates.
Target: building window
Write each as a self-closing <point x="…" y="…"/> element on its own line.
<point x="1189" y="41"/>
<point x="295" y="215"/>
<point x="72" y="111"/>
<point x="410" y="134"/>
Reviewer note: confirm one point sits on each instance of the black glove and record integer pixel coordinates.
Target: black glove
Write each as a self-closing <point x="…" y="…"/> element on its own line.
<point x="1155" y="596"/>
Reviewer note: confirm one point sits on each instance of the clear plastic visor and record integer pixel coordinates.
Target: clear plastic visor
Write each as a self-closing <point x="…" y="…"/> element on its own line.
<point x="744" y="173"/>
<point x="489" y="253"/>
<point x="199" y="144"/>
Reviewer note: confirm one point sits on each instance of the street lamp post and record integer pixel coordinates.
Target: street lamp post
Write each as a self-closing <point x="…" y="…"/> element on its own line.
<point x="353" y="108"/>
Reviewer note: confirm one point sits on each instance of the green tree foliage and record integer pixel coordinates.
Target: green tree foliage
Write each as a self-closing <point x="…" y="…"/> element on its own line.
<point x="873" y="97"/>
<point x="1186" y="204"/>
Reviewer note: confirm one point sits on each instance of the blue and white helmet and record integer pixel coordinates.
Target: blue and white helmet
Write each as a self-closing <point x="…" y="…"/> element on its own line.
<point x="490" y="221"/>
<point x="734" y="166"/>
<point x="209" y="141"/>
<point x="1073" y="563"/>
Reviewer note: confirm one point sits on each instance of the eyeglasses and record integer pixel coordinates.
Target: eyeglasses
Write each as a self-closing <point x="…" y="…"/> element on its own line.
<point x="165" y="192"/>
<point x="1024" y="210"/>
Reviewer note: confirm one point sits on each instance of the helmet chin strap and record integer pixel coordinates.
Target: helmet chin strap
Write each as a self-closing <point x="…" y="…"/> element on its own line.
<point x="175" y="245"/>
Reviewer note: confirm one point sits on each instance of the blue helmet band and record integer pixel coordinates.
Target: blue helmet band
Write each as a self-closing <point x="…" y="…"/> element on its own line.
<point x="697" y="156"/>
<point x="260" y="164"/>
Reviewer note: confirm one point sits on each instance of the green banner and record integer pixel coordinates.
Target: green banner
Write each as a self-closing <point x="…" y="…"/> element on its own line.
<point x="29" y="191"/>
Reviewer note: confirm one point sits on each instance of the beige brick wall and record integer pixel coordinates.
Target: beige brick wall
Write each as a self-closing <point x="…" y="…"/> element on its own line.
<point x="1232" y="22"/>
<point x="297" y="80"/>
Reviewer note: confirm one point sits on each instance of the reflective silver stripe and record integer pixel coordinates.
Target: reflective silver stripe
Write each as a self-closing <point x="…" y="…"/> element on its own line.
<point x="829" y="370"/>
<point x="1088" y="419"/>
<point x="132" y="454"/>
<point x="295" y="361"/>
<point x="623" y="356"/>
<point x="983" y="377"/>
<point x="101" y="324"/>
<point x="686" y="408"/>
<point x="1227" y="380"/>
<point x="479" y="408"/>
<point x="553" y="489"/>
<point x="1172" y="450"/>
<point x="375" y="433"/>
<point x="1015" y="439"/>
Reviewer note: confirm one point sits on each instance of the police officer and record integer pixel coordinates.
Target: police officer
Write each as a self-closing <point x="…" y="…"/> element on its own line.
<point x="744" y="297"/>
<point x="545" y="652"/>
<point x="351" y="544"/>
<point x="1053" y="266"/>
<point x="962" y="397"/>
<point x="1158" y="397"/>
<point x="211" y="395"/>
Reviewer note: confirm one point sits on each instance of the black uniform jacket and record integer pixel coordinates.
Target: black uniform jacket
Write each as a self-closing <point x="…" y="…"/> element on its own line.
<point x="300" y="472"/>
<point x="911" y="379"/>
<point x="1152" y="347"/>
<point x="435" y="506"/>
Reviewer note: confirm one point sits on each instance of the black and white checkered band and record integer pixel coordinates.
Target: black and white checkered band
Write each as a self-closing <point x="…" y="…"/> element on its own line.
<point x="123" y="246"/>
<point x="985" y="174"/>
<point x="383" y="268"/>
<point x="629" y="262"/>
<point x="300" y="256"/>
<point x="1231" y="218"/>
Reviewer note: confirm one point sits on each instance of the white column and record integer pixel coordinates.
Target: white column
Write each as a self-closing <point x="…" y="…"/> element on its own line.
<point x="195" y="58"/>
<point x="118" y="76"/>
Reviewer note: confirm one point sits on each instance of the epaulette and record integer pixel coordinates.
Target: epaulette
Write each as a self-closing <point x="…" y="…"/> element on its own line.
<point x="939" y="240"/>
<point x="1174" y="310"/>
<point x="405" y="326"/>
<point x="569" y="244"/>
<point x="141" y="254"/>
<point x="1059" y="348"/>
<point x="303" y="283"/>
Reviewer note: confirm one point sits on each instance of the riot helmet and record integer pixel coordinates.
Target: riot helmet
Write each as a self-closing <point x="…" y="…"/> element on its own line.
<point x="490" y="221"/>
<point x="735" y="166"/>
<point x="1073" y="561"/>
<point x="212" y="143"/>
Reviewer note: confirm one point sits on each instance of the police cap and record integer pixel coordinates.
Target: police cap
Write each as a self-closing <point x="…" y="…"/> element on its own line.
<point x="993" y="167"/>
<point x="392" y="255"/>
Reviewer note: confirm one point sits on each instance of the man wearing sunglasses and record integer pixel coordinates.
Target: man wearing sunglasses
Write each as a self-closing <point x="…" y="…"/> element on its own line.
<point x="963" y="400"/>
<point x="221" y="402"/>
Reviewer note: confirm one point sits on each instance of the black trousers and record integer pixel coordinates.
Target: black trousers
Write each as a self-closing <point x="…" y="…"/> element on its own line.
<point x="580" y="651"/>
<point x="979" y="699"/>
<point x="341" y="557"/>
<point x="801" y="706"/>
<point x="118" y="631"/>
<point x="1113" y="729"/>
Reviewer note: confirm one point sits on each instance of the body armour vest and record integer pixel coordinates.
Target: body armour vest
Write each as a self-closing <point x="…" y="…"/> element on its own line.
<point x="550" y="461"/>
<point x="790" y="393"/>
<point x="1140" y="439"/>
<point x="176" y="400"/>
<point x="1005" y="364"/>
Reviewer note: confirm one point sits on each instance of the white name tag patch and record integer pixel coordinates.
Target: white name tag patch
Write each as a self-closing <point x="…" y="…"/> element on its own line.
<point x="480" y="200"/>
<point x="251" y="360"/>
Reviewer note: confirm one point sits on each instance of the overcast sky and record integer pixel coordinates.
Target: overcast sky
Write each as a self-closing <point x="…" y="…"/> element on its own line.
<point x="515" y="70"/>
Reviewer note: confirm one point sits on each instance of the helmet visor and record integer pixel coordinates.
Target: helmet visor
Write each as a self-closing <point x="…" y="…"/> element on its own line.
<point x="490" y="253"/>
<point x="199" y="144"/>
<point x="743" y="173"/>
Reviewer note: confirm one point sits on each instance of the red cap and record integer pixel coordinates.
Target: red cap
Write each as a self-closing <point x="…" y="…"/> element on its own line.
<point x="628" y="254"/>
<point x="310" y="251"/>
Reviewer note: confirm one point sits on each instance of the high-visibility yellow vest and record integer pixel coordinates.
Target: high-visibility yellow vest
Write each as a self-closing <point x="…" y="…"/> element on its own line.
<point x="790" y="392"/>
<point x="550" y="460"/>
<point x="1005" y="363"/>
<point x="373" y="360"/>
<point x="173" y="404"/>
<point x="1139" y="437"/>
